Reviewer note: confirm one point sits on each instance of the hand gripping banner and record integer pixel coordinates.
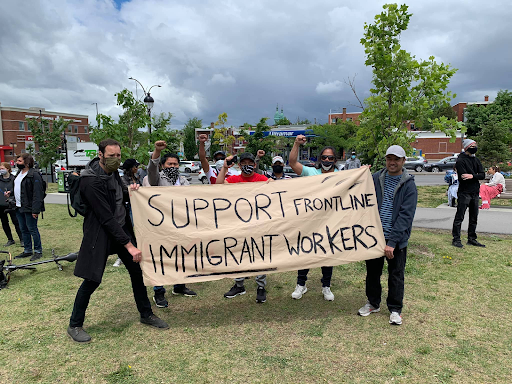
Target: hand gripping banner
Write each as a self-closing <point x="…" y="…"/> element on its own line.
<point x="199" y="233"/>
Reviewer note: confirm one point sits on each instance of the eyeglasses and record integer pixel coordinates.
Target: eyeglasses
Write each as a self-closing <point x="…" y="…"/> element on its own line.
<point x="325" y="157"/>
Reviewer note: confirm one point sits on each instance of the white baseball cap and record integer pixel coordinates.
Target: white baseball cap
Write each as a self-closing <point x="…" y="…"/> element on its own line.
<point x="396" y="150"/>
<point x="275" y="159"/>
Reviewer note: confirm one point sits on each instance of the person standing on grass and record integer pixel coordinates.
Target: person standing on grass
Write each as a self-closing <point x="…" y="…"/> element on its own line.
<point x="397" y="197"/>
<point x="167" y="177"/>
<point x="247" y="165"/>
<point x="29" y="195"/>
<point x="107" y="230"/>
<point x="326" y="164"/>
<point x="470" y="171"/>
<point x="7" y="186"/>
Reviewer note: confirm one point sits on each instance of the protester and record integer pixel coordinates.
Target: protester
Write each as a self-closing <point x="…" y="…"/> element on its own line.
<point x="7" y="186"/>
<point x="352" y="162"/>
<point x="453" y="186"/>
<point x="397" y="197"/>
<point x="107" y="230"/>
<point x="493" y="188"/>
<point x="29" y="195"/>
<point x="469" y="171"/>
<point x="168" y="176"/>
<point x="218" y="157"/>
<point x="131" y="175"/>
<point x="326" y="164"/>
<point x="247" y="165"/>
<point x="277" y="169"/>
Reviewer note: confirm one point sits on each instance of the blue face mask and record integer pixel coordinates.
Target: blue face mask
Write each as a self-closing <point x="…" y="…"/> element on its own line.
<point x="353" y="156"/>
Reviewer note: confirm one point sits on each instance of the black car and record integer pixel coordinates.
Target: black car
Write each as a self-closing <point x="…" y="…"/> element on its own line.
<point x="289" y="171"/>
<point x="307" y="163"/>
<point x="416" y="163"/>
<point x="442" y="165"/>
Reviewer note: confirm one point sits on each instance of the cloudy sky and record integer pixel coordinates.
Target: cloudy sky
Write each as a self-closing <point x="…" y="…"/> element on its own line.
<point x="238" y="57"/>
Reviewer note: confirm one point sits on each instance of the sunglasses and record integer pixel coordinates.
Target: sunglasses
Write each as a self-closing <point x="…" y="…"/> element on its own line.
<point x="325" y="157"/>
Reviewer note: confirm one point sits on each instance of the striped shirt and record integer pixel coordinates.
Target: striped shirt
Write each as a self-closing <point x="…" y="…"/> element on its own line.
<point x="386" y="209"/>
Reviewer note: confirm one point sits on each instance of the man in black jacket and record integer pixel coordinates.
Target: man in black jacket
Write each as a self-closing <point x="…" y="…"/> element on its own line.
<point x="107" y="230"/>
<point x="469" y="171"/>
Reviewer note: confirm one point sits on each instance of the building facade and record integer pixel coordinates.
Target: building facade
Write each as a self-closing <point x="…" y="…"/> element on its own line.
<point x="15" y="135"/>
<point x="460" y="108"/>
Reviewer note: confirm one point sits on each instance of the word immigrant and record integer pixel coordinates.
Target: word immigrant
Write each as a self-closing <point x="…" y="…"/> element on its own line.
<point x="193" y="233"/>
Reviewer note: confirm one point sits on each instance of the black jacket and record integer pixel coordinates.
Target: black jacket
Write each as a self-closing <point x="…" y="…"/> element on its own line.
<point x="469" y="164"/>
<point x="6" y="185"/>
<point x="32" y="192"/>
<point x="102" y="232"/>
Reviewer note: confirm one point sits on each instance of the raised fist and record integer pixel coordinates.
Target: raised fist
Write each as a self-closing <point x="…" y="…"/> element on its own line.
<point x="300" y="139"/>
<point x="260" y="153"/>
<point x="203" y="138"/>
<point x="160" y="145"/>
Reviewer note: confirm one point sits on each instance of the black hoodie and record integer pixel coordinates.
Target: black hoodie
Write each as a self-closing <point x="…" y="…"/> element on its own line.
<point x="469" y="164"/>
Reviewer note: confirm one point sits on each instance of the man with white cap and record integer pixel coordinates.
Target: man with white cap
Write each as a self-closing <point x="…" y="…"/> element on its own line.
<point x="397" y="197"/>
<point x="277" y="169"/>
<point x="470" y="171"/>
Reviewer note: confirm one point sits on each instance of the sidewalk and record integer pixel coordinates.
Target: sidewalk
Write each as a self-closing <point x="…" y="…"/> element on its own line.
<point x="495" y="220"/>
<point x="55" y="198"/>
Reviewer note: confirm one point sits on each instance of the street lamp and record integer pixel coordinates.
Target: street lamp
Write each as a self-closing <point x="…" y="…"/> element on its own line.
<point x="148" y="100"/>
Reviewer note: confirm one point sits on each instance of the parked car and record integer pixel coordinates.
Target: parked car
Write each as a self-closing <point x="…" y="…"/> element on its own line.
<point x="289" y="171"/>
<point x="416" y="163"/>
<point x="442" y="165"/>
<point x="307" y="163"/>
<point x="190" y="166"/>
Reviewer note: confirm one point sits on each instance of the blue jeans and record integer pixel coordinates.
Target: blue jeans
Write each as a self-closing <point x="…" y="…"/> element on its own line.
<point x="29" y="232"/>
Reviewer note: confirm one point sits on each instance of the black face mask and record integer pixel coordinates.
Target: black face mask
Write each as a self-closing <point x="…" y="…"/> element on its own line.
<point x="277" y="168"/>
<point x="20" y="166"/>
<point x="472" y="150"/>
<point x="327" y="165"/>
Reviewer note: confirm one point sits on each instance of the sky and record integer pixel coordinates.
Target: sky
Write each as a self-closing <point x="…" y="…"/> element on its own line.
<point x="238" y="57"/>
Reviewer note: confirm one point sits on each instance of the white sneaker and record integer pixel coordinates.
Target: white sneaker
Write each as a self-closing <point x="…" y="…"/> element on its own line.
<point x="299" y="291"/>
<point x="367" y="309"/>
<point x="328" y="295"/>
<point x="395" y="318"/>
<point x="118" y="263"/>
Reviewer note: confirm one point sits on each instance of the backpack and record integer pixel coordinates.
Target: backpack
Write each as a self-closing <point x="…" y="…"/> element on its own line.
<point x="74" y="197"/>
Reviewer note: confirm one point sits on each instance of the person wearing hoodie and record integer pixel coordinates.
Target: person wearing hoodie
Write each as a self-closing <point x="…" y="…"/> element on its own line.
<point x="397" y="197"/>
<point x="167" y="177"/>
<point x="469" y="171"/>
<point x="7" y="186"/>
<point x="353" y="162"/>
<point x="107" y="230"/>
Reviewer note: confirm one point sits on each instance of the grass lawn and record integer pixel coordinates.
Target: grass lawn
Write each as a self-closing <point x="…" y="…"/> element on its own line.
<point x="434" y="196"/>
<point x="456" y="324"/>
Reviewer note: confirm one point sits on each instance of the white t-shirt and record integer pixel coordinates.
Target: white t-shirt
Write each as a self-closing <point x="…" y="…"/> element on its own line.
<point x="212" y="174"/>
<point x="17" y="187"/>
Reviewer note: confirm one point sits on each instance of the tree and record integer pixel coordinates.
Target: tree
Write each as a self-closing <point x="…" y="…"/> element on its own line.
<point x="220" y="135"/>
<point x="302" y="122"/>
<point x="404" y="89"/>
<point x="259" y="141"/>
<point x="47" y="140"/>
<point x="493" y="142"/>
<point x="161" y="131"/>
<point x="341" y="136"/>
<point x="189" y="141"/>
<point x="283" y="121"/>
<point x="477" y="116"/>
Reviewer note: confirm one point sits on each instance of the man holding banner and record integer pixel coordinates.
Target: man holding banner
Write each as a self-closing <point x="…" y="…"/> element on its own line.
<point x="397" y="197"/>
<point x="327" y="164"/>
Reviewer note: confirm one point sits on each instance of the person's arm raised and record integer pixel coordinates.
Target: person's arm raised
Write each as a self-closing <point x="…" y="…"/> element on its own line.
<point x="202" y="153"/>
<point x="294" y="154"/>
<point x="222" y="173"/>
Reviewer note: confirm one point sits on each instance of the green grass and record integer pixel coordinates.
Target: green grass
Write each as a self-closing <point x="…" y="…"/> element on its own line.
<point x="434" y="196"/>
<point x="456" y="324"/>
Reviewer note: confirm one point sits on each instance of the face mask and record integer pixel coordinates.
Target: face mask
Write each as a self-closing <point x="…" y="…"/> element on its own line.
<point x="326" y="165"/>
<point x="111" y="163"/>
<point x="171" y="174"/>
<point x="472" y="150"/>
<point x="353" y="156"/>
<point x="219" y="164"/>
<point x="277" y="168"/>
<point x="247" y="169"/>
<point x="3" y="172"/>
<point x="20" y="166"/>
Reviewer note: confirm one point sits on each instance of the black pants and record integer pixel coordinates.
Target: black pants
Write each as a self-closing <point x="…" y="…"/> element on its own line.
<point x="88" y="287"/>
<point x="302" y="276"/>
<point x="5" y="223"/>
<point x="396" y="269"/>
<point x="463" y="202"/>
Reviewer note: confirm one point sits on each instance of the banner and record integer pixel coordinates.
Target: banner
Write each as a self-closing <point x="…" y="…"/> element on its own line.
<point x="207" y="232"/>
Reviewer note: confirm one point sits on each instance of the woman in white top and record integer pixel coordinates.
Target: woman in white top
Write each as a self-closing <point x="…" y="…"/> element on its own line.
<point x="493" y="188"/>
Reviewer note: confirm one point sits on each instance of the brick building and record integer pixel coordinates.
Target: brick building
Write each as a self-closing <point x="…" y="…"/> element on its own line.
<point x="237" y="147"/>
<point x="14" y="131"/>
<point x="336" y="115"/>
<point x="460" y="108"/>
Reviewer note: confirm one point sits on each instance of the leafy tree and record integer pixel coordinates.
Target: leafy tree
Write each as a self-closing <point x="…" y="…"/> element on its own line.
<point x="189" y="141"/>
<point x="404" y="88"/>
<point x="302" y="122"/>
<point x="47" y="140"/>
<point x="341" y="136"/>
<point x="221" y="136"/>
<point x="283" y="121"/>
<point x="259" y="141"/>
<point x="493" y="142"/>
<point x="477" y="116"/>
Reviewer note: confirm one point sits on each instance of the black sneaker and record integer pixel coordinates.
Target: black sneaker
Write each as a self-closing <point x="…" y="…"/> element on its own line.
<point x="261" y="295"/>
<point x="235" y="291"/>
<point x="154" y="321"/>
<point x="78" y="334"/>
<point x="475" y="243"/>
<point x="457" y="243"/>
<point x="160" y="300"/>
<point x="36" y="256"/>
<point x="184" y="291"/>
<point x="9" y="243"/>
<point x="23" y="255"/>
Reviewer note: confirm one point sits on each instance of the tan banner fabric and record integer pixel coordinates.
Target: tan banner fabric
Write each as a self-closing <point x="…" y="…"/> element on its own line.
<point x="199" y="233"/>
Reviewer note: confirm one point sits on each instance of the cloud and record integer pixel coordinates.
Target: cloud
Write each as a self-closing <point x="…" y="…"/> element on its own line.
<point x="330" y="87"/>
<point x="219" y="78"/>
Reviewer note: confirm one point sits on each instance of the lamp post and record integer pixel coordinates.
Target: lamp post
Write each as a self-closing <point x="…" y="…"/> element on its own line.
<point x="148" y="100"/>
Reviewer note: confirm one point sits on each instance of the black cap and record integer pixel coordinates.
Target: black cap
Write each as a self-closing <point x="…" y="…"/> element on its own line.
<point x="219" y="153"/>
<point x="246" y="155"/>
<point x="130" y="163"/>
